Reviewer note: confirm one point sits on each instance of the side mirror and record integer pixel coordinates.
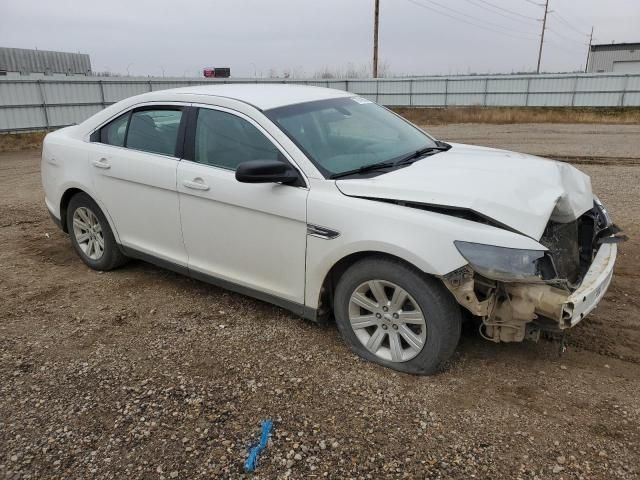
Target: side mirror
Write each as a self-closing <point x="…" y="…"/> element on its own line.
<point x="266" y="171"/>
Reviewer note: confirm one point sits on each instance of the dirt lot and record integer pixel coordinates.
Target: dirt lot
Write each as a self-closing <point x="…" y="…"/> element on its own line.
<point x="141" y="373"/>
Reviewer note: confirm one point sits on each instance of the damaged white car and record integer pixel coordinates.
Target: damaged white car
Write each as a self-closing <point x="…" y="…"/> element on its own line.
<point x="330" y="205"/>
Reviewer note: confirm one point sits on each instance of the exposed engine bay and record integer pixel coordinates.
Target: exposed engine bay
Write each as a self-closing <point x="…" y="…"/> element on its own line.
<point x="572" y="277"/>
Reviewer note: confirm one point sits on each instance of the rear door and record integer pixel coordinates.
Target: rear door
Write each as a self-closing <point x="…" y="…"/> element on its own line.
<point x="252" y="235"/>
<point x="134" y="160"/>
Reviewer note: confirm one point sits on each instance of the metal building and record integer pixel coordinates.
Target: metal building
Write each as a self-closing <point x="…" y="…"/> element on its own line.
<point x="614" y="57"/>
<point x="20" y="61"/>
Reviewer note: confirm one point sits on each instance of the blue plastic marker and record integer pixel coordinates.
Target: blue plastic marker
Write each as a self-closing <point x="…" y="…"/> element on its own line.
<point x="252" y="460"/>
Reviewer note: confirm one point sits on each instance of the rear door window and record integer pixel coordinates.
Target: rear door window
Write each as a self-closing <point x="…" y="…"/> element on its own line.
<point x="114" y="132"/>
<point x="154" y="130"/>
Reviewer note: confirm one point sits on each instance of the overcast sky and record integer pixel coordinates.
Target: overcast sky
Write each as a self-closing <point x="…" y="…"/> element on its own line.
<point x="305" y="36"/>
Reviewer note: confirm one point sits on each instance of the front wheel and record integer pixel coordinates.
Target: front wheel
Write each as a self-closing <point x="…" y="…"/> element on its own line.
<point x="391" y="314"/>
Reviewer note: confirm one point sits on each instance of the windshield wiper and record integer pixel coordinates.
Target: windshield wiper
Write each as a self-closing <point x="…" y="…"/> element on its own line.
<point x="405" y="160"/>
<point x="364" y="169"/>
<point x="423" y="152"/>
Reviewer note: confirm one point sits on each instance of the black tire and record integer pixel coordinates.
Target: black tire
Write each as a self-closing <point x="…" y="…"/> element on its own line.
<point x="441" y="312"/>
<point x="112" y="257"/>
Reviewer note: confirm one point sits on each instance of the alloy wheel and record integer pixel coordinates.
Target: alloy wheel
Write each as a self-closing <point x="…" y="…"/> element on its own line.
<point x="88" y="233"/>
<point x="387" y="320"/>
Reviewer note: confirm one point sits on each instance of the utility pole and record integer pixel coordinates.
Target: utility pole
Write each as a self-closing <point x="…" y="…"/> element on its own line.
<point x="376" y="15"/>
<point x="544" y="26"/>
<point x="586" y="66"/>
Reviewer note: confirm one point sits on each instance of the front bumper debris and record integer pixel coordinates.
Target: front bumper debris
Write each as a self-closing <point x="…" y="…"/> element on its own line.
<point x="511" y="312"/>
<point x="593" y="287"/>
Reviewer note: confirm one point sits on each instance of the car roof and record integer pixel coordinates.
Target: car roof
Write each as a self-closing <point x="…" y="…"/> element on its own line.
<point x="264" y="96"/>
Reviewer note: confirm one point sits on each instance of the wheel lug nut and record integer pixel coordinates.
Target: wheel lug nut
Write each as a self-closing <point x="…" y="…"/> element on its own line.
<point x="396" y="316"/>
<point x="384" y="327"/>
<point x="395" y="327"/>
<point x="378" y="315"/>
<point x="385" y="309"/>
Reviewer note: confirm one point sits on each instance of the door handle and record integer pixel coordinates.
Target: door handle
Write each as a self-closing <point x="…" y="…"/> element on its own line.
<point x="196" y="184"/>
<point x="102" y="163"/>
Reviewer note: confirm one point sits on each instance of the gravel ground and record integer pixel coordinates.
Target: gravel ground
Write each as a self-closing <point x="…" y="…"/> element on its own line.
<point x="141" y="373"/>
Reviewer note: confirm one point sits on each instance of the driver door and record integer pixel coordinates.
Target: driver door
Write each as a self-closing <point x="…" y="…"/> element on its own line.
<point x="248" y="235"/>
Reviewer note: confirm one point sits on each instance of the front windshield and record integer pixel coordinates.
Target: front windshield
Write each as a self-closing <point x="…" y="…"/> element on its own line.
<point x="344" y="134"/>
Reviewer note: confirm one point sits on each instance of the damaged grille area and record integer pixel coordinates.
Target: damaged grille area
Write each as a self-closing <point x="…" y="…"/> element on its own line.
<point x="573" y="245"/>
<point x="562" y="241"/>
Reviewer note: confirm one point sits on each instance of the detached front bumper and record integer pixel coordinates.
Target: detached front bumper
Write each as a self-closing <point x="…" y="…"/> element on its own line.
<point x="593" y="286"/>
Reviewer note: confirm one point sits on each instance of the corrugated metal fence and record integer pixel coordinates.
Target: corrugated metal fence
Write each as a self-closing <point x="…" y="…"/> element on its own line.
<point x="52" y="103"/>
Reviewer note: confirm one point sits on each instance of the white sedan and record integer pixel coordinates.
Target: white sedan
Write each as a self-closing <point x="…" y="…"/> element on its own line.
<point x="331" y="206"/>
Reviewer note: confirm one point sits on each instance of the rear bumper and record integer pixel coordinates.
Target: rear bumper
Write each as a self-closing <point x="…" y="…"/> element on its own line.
<point x="593" y="286"/>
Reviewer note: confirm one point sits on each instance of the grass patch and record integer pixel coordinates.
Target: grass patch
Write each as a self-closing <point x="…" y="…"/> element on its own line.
<point x="502" y="115"/>
<point x="13" y="142"/>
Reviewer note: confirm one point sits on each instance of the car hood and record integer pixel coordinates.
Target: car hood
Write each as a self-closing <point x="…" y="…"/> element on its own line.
<point x="522" y="192"/>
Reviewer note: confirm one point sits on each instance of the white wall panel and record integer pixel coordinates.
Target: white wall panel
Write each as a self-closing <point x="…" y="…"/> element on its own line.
<point x="362" y="87"/>
<point x="550" y="99"/>
<point x="506" y="99"/>
<point x="68" y="115"/>
<point x="460" y="99"/>
<point x="600" y="83"/>
<point x="114" y="92"/>
<point x="423" y="100"/>
<point x="466" y="86"/>
<point x="611" y="99"/>
<point x="22" y="118"/>
<point x="394" y="100"/>
<point x="507" y="85"/>
<point x="632" y="99"/>
<point x="58" y="92"/>
<point x="14" y="93"/>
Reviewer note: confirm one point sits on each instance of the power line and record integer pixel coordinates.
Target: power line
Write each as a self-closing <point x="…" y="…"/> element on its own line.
<point x="431" y="9"/>
<point x="492" y="27"/>
<point x="567" y="49"/>
<point x="535" y="3"/>
<point x="564" y="37"/>
<point x="473" y="2"/>
<point x="511" y="12"/>
<point x="566" y="23"/>
<point x="475" y="19"/>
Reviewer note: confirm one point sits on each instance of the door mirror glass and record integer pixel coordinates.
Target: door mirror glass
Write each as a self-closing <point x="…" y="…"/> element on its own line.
<point x="266" y="171"/>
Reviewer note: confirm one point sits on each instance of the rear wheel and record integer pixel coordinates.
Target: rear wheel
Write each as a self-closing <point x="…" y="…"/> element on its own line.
<point x="91" y="235"/>
<point x="392" y="314"/>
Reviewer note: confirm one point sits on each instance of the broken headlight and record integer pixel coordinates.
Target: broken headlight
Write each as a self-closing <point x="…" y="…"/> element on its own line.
<point x="506" y="264"/>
